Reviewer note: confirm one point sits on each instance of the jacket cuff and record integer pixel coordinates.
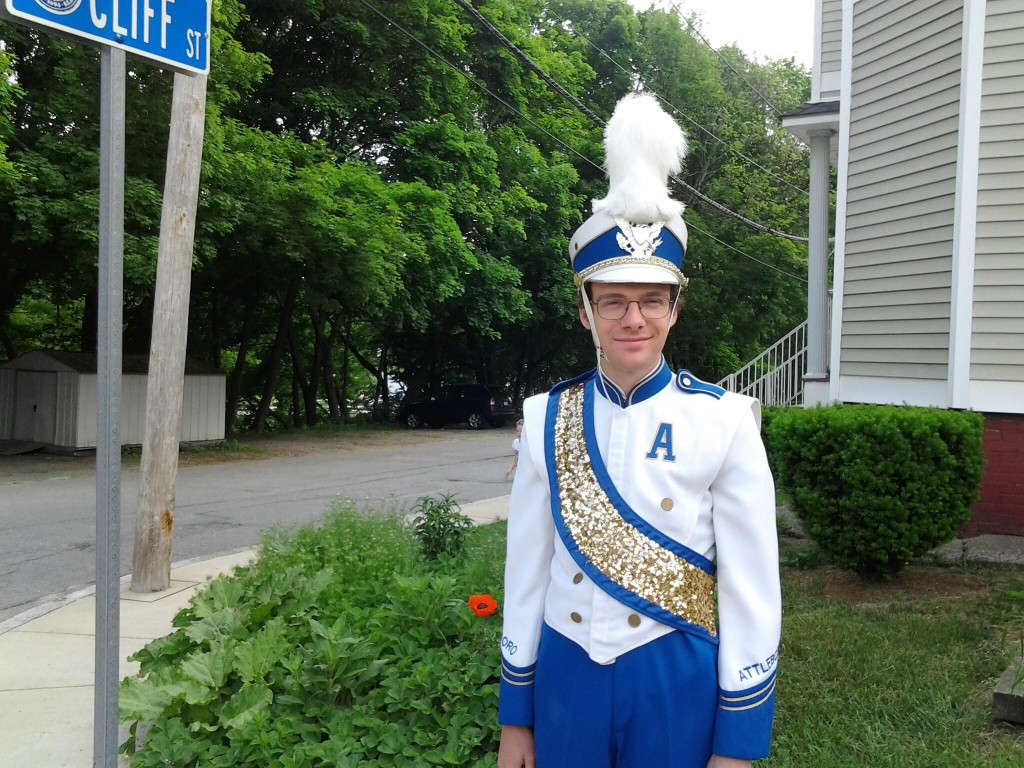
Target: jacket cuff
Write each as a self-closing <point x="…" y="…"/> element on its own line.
<point x="743" y="722"/>
<point x="515" y="694"/>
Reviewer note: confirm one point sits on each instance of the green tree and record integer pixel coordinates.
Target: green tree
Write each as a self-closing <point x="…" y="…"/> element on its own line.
<point x="373" y="215"/>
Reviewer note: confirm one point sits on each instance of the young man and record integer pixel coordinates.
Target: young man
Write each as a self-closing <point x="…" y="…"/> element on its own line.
<point x="642" y="502"/>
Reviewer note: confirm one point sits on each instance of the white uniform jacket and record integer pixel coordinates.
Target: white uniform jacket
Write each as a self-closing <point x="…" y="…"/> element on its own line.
<point x="687" y="458"/>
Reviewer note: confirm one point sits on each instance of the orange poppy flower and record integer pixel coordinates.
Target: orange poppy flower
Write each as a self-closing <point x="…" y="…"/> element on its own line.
<point x="483" y="605"/>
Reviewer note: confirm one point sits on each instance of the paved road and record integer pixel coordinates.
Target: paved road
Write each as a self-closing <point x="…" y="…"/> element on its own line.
<point x="47" y="505"/>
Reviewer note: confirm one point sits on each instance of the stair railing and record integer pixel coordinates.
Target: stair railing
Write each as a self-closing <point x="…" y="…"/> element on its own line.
<point x="776" y="376"/>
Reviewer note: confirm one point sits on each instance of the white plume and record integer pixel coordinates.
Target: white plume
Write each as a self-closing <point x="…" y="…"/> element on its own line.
<point x="643" y="145"/>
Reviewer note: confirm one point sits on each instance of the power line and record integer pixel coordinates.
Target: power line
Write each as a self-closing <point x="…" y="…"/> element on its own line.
<point x="739" y="216"/>
<point x="519" y="54"/>
<point x="679" y="11"/>
<point x="752" y="258"/>
<point x="478" y="84"/>
<point x="571" y="149"/>
<point x="597" y="120"/>
<point x="680" y="112"/>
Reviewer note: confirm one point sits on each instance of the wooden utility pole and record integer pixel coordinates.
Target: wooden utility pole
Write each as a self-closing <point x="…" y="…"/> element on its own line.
<point x="154" y="519"/>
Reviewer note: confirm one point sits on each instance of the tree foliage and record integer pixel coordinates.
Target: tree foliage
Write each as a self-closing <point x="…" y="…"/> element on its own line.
<point x="388" y="192"/>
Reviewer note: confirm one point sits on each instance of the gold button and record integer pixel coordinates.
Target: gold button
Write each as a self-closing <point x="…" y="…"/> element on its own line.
<point x="634" y="620"/>
<point x="577" y="578"/>
<point x="575" y="617"/>
<point x="686" y="382"/>
<point x="667" y="504"/>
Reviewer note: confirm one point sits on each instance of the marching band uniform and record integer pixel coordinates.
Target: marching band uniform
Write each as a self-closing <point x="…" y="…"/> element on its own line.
<point x="633" y="516"/>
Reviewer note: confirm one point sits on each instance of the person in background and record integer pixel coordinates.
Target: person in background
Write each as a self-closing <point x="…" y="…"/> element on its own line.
<point x="515" y="450"/>
<point x="642" y="605"/>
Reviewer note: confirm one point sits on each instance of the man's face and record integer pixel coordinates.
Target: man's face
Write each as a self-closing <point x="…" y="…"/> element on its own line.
<point x="632" y="344"/>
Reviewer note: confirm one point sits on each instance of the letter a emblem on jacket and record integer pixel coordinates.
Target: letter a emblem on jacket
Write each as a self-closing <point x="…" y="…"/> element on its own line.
<point x="662" y="442"/>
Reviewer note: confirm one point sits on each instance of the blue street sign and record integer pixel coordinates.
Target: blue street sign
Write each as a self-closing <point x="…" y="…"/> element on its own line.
<point x="174" y="33"/>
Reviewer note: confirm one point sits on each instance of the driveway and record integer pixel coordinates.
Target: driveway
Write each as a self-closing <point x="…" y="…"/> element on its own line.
<point x="48" y="503"/>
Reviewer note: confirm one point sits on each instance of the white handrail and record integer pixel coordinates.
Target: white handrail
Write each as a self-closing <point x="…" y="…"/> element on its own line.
<point x="776" y="376"/>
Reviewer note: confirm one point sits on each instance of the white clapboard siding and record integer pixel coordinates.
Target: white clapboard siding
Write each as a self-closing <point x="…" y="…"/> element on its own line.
<point x="904" y="126"/>
<point x="132" y="411"/>
<point x="925" y="318"/>
<point x="202" y="411"/>
<point x="997" y="340"/>
<point x="930" y="144"/>
<point x="66" y="408"/>
<point x="871" y="270"/>
<point x="913" y="296"/>
<point x="202" y="408"/>
<point x="831" y="42"/>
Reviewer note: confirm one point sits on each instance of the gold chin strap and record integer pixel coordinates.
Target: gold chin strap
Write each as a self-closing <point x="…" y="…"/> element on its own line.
<point x="679" y="295"/>
<point x="588" y="309"/>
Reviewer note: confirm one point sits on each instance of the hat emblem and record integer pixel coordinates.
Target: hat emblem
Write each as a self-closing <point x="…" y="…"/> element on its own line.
<point x="638" y="239"/>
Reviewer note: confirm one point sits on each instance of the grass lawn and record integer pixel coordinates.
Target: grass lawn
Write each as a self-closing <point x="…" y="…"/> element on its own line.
<point x="343" y="647"/>
<point x="897" y="674"/>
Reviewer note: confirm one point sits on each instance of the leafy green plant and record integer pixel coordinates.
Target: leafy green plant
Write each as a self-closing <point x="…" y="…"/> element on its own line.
<point x="800" y="554"/>
<point x="875" y="486"/>
<point x="440" y="526"/>
<point x="338" y="647"/>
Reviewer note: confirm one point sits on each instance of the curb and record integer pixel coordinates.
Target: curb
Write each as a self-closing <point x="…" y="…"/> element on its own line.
<point x="77" y="593"/>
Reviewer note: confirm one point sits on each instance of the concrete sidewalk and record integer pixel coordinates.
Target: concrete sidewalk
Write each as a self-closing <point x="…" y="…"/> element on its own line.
<point x="47" y="655"/>
<point x="47" y="664"/>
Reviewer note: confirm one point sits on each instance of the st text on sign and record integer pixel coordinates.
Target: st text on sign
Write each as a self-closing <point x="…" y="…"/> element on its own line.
<point x="173" y="33"/>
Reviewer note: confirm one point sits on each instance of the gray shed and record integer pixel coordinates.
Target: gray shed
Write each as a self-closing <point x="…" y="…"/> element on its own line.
<point x="51" y="398"/>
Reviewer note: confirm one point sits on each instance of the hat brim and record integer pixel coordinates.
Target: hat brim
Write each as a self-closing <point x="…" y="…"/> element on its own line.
<point x="634" y="273"/>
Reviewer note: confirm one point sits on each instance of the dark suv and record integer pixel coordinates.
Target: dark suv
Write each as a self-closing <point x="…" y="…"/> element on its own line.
<point x="475" y="404"/>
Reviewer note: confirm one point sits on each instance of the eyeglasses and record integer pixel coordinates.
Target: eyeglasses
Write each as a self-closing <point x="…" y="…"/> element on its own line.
<point x="616" y="307"/>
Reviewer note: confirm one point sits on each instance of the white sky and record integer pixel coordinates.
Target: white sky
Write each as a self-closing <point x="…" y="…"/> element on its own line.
<point x="775" y="29"/>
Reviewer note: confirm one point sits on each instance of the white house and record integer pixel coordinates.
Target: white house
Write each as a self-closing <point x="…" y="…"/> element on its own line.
<point x="920" y="104"/>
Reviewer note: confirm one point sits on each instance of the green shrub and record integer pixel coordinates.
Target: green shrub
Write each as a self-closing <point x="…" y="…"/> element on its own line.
<point x="339" y="646"/>
<point x="440" y="526"/>
<point x="768" y="414"/>
<point x="877" y="485"/>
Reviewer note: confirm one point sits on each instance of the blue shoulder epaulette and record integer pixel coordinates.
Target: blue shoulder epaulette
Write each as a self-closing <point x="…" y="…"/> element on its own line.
<point x="570" y="382"/>
<point x="691" y="385"/>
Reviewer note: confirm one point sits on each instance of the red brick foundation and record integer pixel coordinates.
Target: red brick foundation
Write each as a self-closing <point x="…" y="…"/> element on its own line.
<point x="1001" y="506"/>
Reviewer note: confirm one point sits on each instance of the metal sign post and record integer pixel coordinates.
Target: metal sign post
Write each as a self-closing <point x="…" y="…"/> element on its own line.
<point x="175" y="35"/>
<point x="108" y="370"/>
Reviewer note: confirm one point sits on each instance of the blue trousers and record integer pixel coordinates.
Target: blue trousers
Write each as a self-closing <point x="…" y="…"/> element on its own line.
<point x="654" y="707"/>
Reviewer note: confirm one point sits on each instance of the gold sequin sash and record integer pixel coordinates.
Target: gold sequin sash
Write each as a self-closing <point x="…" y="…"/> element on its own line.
<point x="653" y="577"/>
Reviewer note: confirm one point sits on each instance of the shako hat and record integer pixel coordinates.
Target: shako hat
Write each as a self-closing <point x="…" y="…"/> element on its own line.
<point x="636" y="233"/>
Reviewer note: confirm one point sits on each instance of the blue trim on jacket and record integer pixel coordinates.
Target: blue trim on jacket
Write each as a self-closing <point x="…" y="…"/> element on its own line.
<point x="570" y="382"/>
<point x="646" y="388"/>
<point x="618" y="592"/>
<point x="691" y="385"/>
<point x="515" y="694"/>
<point x="743" y="722"/>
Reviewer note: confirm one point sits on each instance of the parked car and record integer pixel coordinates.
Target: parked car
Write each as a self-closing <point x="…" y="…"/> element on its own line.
<point x="474" y="404"/>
